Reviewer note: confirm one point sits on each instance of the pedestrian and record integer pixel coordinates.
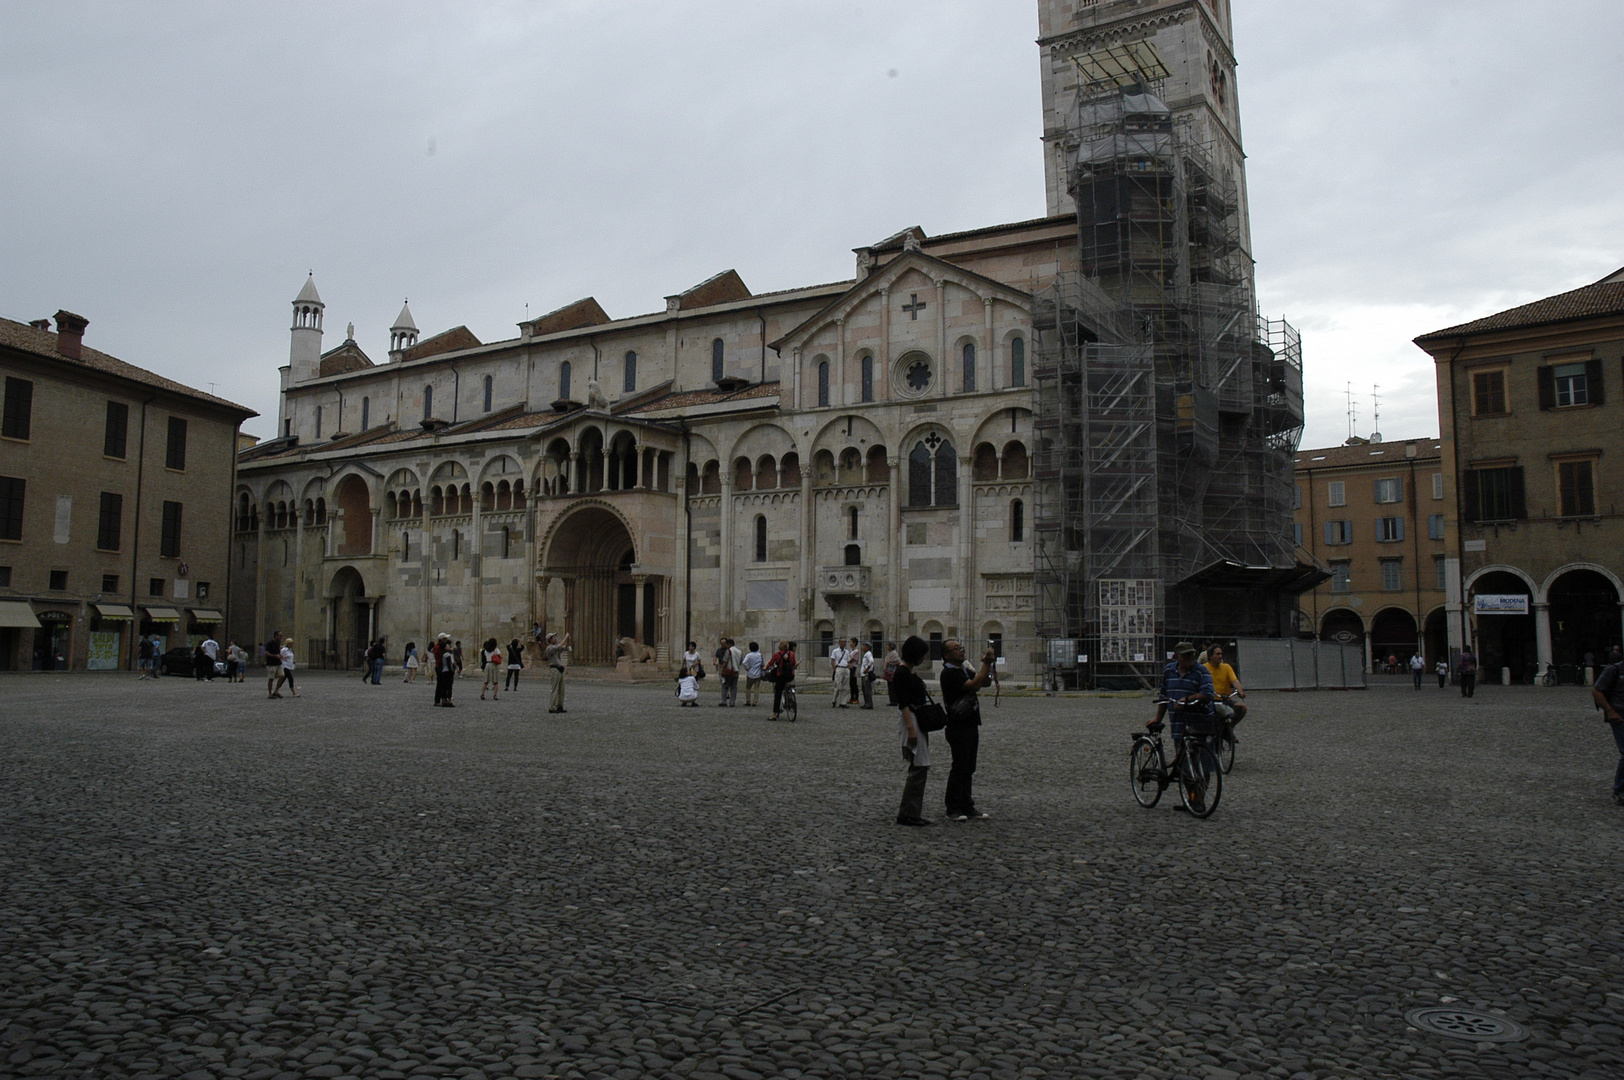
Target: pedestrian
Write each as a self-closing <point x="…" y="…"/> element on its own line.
<point x="1224" y="683"/>
<point x="285" y="657"/>
<point x="375" y="663"/>
<point x="727" y="665"/>
<point x="908" y="694"/>
<point x="687" y="688"/>
<point x="865" y="675"/>
<point x="557" y="653"/>
<point x="893" y="660"/>
<point x="1609" y="696"/>
<point x="211" y="650"/>
<point x="231" y="661"/>
<point x="690" y="660"/>
<point x="456" y="654"/>
<point x="445" y="680"/>
<point x="490" y="662"/>
<point x="143" y="658"/>
<point x="1418" y="667"/>
<point x="200" y="661"/>
<point x="753" y="662"/>
<point x="1466" y="668"/>
<point x="273" y="663"/>
<point x="366" y="660"/>
<point x="839" y="674"/>
<point x="515" y="664"/>
<point x="781" y="670"/>
<point x="963" y="729"/>
<point x="409" y="661"/>
<point x="1442" y="668"/>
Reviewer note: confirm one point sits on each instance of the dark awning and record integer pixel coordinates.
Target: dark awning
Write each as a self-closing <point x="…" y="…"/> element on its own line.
<point x="1223" y="574"/>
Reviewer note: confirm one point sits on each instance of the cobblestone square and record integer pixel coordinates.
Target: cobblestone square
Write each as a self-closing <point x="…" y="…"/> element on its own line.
<point x="196" y="881"/>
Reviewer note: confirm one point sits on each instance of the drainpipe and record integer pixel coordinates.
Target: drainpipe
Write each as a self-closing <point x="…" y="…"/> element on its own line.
<point x="1460" y="524"/>
<point x="687" y="542"/>
<point x="231" y="519"/>
<point x="135" y="540"/>
<point x="1415" y="544"/>
<point x="763" y="320"/>
<point x="593" y="341"/>
<point x="456" y="391"/>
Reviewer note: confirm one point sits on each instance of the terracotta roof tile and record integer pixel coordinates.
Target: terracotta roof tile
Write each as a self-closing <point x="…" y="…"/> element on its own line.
<point x="25" y="338"/>
<point x="1605" y="297"/>
<point x="1382" y="453"/>
<point x="685" y="399"/>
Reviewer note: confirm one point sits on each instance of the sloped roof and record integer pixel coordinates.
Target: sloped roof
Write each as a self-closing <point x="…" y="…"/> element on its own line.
<point x="583" y="312"/>
<point x="453" y="340"/>
<point x="347" y="357"/>
<point x="308" y="294"/>
<point x="716" y="289"/>
<point x="403" y="321"/>
<point x="1382" y="453"/>
<point x="29" y="339"/>
<point x="1604" y="297"/>
<point x="685" y="399"/>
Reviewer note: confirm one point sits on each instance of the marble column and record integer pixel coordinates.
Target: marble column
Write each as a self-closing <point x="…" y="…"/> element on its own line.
<point x="894" y="576"/>
<point x="809" y="546"/>
<point x="725" y="615"/>
<point x="882" y="359"/>
<point x="1542" y="634"/>
<point x="967" y="551"/>
<point x="943" y="366"/>
<point x="990" y="349"/>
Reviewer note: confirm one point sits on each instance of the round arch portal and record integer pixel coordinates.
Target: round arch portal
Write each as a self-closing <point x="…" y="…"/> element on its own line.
<point x="593" y="589"/>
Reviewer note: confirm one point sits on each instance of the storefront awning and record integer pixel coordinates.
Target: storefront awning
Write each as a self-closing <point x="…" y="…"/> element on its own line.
<point x="207" y="614"/>
<point x="16" y="613"/>
<point x="162" y="614"/>
<point x="114" y="611"/>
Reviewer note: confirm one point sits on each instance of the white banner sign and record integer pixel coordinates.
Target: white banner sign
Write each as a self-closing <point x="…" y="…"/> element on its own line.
<point x="1500" y="603"/>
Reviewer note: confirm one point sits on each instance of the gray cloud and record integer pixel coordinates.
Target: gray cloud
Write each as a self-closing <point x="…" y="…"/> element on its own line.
<point x="173" y="170"/>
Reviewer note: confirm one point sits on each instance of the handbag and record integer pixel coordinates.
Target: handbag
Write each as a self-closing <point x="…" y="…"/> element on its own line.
<point x="929" y="716"/>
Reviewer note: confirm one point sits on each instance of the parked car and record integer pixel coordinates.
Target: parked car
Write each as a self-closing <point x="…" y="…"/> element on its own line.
<point x="177" y="661"/>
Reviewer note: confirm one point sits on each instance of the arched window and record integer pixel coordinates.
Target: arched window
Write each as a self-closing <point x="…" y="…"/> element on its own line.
<point x="405" y="545"/>
<point x="1017" y="521"/>
<point x="947" y="476"/>
<point x="969" y="366"/>
<point x="868" y="377"/>
<point x="761" y="538"/>
<point x="318" y="421"/>
<point x="631" y="372"/>
<point x="487" y="393"/>
<point x="366" y="413"/>
<point x="851" y="523"/>
<point x="919" y="476"/>
<point x="933" y="473"/>
<point x="456" y="544"/>
<point x="564" y="381"/>
<point x="854" y="555"/>
<point x="507" y="541"/>
<point x="716" y="360"/>
<point x="1017" y="362"/>
<point x="823" y="382"/>
<point x="428" y="402"/>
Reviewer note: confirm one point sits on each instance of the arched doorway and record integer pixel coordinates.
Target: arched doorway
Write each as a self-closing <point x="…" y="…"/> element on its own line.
<point x="1343" y="627"/>
<point x="351" y="615"/>
<point x="1393" y="633"/>
<point x="1504" y="641"/>
<point x="603" y="595"/>
<point x="1584" y="618"/>
<point x="1437" y="636"/>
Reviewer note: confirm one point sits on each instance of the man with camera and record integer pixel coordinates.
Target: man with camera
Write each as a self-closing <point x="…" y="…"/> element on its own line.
<point x="963" y="729"/>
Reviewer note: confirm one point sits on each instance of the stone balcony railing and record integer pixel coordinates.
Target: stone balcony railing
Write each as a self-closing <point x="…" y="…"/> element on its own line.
<point x="841" y="581"/>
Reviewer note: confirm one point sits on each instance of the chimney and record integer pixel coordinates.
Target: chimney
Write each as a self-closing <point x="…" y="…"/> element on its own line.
<point x="40" y="324"/>
<point x="70" y="333"/>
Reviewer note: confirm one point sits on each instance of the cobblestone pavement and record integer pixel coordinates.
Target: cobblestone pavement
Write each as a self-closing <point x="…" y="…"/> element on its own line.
<point x="198" y="882"/>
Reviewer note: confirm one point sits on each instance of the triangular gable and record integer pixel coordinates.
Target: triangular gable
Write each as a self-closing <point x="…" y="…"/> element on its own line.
<point x="584" y="312"/>
<point x="346" y="358"/>
<point x="720" y="289"/>
<point x="929" y="265"/>
<point x="453" y="340"/>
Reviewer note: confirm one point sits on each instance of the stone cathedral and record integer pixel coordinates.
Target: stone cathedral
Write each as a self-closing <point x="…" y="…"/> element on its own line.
<point x="838" y="460"/>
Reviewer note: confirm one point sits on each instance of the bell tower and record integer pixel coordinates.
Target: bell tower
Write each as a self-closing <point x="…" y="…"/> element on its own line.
<point x="304" y="354"/>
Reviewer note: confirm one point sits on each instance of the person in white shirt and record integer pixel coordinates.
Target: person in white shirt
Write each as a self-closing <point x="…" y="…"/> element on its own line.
<point x="287" y="670"/>
<point x="753" y="663"/>
<point x="841" y="673"/>
<point x="211" y="649"/>
<point x="865" y="675"/>
<point x="687" y="688"/>
<point x="1418" y="668"/>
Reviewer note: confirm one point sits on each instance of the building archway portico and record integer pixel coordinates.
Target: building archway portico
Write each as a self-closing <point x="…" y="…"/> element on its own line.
<point x="592" y="586"/>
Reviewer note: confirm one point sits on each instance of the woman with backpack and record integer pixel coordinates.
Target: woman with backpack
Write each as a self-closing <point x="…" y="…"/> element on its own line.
<point x="781" y="670"/>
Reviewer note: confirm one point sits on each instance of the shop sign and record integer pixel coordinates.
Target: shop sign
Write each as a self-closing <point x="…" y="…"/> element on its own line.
<point x="1484" y="604"/>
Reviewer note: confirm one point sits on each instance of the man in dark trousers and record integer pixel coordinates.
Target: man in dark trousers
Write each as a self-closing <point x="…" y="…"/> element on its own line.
<point x="1609" y="695"/>
<point x="1466" y="668"/>
<point x="963" y="729"/>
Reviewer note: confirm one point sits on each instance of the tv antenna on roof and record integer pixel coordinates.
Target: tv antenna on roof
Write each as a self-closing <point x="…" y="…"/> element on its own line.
<point x="1353" y="412"/>
<point x="1376" y="410"/>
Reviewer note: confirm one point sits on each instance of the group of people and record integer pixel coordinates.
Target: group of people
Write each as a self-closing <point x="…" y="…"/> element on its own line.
<point x="961" y="726"/>
<point x="279" y="665"/>
<point x="851" y="666"/>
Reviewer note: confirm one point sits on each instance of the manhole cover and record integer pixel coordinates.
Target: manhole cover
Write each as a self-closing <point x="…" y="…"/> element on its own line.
<point x="1469" y="1024"/>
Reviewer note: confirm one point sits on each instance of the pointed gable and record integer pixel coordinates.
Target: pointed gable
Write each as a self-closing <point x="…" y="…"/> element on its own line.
<point x="453" y="340"/>
<point x="721" y="289"/>
<point x="347" y="357"/>
<point x="583" y="313"/>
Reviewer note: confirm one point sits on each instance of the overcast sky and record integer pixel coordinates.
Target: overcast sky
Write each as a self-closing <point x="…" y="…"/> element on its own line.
<point x="171" y="171"/>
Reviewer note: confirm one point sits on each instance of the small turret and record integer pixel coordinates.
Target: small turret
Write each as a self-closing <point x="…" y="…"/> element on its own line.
<point x="403" y="335"/>
<point x="304" y="355"/>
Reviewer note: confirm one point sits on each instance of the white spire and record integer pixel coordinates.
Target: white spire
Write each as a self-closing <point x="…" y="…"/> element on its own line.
<point x="308" y="294"/>
<point x="403" y="335"/>
<point x="403" y="321"/>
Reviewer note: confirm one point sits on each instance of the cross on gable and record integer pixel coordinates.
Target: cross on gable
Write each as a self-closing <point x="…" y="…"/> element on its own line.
<point x="914" y="306"/>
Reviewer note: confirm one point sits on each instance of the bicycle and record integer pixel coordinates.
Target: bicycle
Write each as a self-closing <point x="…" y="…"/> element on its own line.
<point x="1222" y="742"/>
<point x="1195" y="767"/>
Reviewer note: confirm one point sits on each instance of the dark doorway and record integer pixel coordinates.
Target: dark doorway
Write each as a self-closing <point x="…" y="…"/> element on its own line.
<point x="1505" y="641"/>
<point x="1437" y="636"/>
<point x="1584" y="618"/>
<point x="626" y="615"/>
<point x="1393" y="635"/>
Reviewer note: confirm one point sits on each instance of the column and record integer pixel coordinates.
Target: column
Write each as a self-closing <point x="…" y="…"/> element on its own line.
<point x="567" y="617"/>
<point x="727" y="544"/>
<point x="809" y="544"/>
<point x="425" y="550"/>
<point x="262" y="617"/>
<point x="943" y="365"/>
<point x="989" y="349"/>
<point x="838" y="396"/>
<point x="298" y="628"/>
<point x="476" y="565"/>
<point x="576" y="481"/>
<point x="795" y="380"/>
<point x="967" y="553"/>
<point x="376" y="544"/>
<point x="894" y="577"/>
<point x="882" y="356"/>
<point x="679" y="584"/>
<point x="640" y="580"/>
<point x="1542" y="633"/>
<point x="543" y="616"/>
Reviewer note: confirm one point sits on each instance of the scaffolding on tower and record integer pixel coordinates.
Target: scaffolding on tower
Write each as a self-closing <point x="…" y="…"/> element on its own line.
<point x="1166" y="412"/>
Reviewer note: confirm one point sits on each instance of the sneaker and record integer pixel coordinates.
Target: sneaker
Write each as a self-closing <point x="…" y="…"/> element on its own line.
<point x="1618" y="797"/>
<point x="916" y="822"/>
<point x="958" y="816"/>
<point x="975" y="815"/>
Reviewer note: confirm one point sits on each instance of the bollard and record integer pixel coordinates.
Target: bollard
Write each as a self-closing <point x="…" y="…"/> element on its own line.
<point x="1505" y="676"/>
<point x="1590" y="676"/>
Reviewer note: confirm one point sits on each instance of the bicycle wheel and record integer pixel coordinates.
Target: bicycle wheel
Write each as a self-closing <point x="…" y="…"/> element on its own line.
<point x="1226" y="749"/>
<point x="1145" y="770"/>
<point x="790" y="708"/>
<point x="1201" y="781"/>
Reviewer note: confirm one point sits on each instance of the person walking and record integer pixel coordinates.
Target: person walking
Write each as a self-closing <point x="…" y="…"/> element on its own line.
<point x="1608" y="693"/>
<point x="781" y="670"/>
<point x="456" y="654"/>
<point x="273" y="662"/>
<point x="515" y="664"/>
<point x="557" y="652"/>
<point x="409" y="661"/>
<point x="200" y="661"/>
<point x="143" y="658"/>
<point x="445" y="666"/>
<point x="490" y="662"/>
<point x="1418" y="667"/>
<point x="1442" y="668"/>
<point x="1466" y="668"/>
<point x="366" y="660"/>
<point x="854" y="663"/>
<point x="908" y="694"/>
<point x="840" y="674"/>
<point x="727" y="663"/>
<point x="893" y="660"/>
<point x="753" y="662"/>
<point x="865" y="674"/>
<point x="963" y="729"/>
<point x="211" y="650"/>
<point x="232" y="665"/>
<point x="285" y="658"/>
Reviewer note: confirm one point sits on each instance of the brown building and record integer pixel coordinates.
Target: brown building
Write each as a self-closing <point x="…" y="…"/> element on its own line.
<point x="115" y="502"/>
<point x="1375" y="513"/>
<point x="1531" y="403"/>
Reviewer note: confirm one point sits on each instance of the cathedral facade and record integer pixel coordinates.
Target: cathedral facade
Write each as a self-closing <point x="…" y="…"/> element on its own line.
<point x="852" y="459"/>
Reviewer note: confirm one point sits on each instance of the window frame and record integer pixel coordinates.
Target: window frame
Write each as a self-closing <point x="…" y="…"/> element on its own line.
<point x="1390" y="529"/>
<point x="823" y="384"/>
<point x="1392" y="574"/>
<point x="110" y="522"/>
<point x="1501" y="372"/>
<point x="1336" y="493"/>
<point x="1435" y="526"/>
<point x="175" y="446"/>
<point x="170" y="536"/>
<point x="17" y="418"/>
<point x="718" y="360"/>
<point x="866" y="364"/>
<point x="1343" y="532"/>
<point x="1388" y="490"/>
<point x="968" y="355"/>
<point x="629" y="372"/>
<point x="13" y="505"/>
<point x="122" y="428"/>
<point x="1513" y="494"/>
<point x="1341" y="576"/>
<point x="1561" y="465"/>
<point x="1017" y="360"/>
<point x="490" y="392"/>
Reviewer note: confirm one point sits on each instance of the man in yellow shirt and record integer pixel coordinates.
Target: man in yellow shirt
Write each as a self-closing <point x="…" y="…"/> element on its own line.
<point x="1225" y="681"/>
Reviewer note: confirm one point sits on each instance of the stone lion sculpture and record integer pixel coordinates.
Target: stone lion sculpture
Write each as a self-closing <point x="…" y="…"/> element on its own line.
<point x="638" y="654"/>
<point x="594" y="395"/>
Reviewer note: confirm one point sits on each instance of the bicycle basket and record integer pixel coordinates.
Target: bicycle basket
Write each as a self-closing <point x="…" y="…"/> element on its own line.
<point x="1203" y="724"/>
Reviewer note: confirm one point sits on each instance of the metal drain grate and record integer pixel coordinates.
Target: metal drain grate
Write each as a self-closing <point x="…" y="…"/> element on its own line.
<point x="1470" y="1024"/>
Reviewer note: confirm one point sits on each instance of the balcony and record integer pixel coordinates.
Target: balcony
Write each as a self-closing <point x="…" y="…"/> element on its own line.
<point x="837" y="582"/>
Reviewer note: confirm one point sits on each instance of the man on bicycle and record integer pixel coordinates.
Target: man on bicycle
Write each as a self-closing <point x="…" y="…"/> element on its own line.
<point x="1187" y="685"/>
<point x="1224" y="683"/>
